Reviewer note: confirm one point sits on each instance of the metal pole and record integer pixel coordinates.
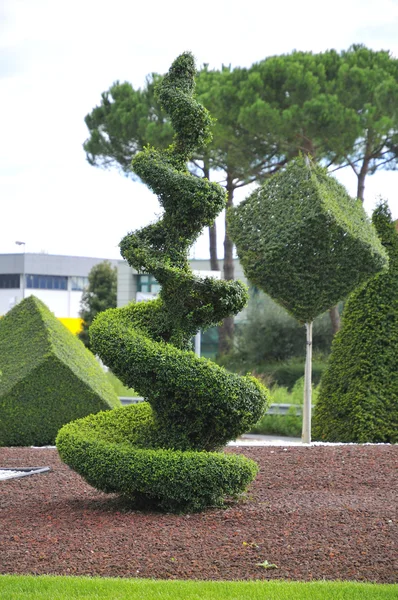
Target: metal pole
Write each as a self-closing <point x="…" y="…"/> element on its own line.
<point x="306" y="431"/>
<point x="198" y="340"/>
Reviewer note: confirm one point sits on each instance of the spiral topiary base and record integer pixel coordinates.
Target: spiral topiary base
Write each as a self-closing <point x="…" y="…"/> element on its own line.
<point x="106" y="450"/>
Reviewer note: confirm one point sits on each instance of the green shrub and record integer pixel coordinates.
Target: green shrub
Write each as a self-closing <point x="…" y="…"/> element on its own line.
<point x="284" y="373"/>
<point x="358" y="399"/>
<point x="270" y="334"/>
<point x="195" y="404"/>
<point x="286" y="425"/>
<point x="289" y="372"/>
<point x="106" y="450"/>
<point x="48" y="378"/>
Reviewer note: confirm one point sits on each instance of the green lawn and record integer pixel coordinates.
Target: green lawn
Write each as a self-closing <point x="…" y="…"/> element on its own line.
<point x="44" y="587"/>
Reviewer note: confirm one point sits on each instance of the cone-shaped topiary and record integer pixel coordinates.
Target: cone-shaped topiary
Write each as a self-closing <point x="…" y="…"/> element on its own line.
<point x="47" y="377"/>
<point x="162" y="453"/>
<point x="358" y="398"/>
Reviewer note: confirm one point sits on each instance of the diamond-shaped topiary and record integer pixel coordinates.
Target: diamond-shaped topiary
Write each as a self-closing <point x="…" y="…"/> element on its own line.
<point x="47" y="378"/>
<point x="306" y="243"/>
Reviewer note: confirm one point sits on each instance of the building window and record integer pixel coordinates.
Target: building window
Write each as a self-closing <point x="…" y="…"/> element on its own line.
<point x="10" y="281"/>
<point x="46" y="282"/>
<point x="78" y="284"/>
<point x="147" y="283"/>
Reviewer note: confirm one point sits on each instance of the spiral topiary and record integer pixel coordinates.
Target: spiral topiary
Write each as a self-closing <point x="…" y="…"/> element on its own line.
<point x="166" y="452"/>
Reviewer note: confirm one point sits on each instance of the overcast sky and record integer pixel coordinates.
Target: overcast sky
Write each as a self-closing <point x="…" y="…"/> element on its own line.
<point x="57" y="57"/>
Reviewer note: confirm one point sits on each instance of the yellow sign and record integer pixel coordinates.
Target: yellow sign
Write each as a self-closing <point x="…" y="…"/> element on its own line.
<point x="73" y="324"/>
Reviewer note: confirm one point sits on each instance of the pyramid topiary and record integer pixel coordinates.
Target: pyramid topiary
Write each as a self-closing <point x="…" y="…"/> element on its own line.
<point x="166" y="453"/>
<point x="47" y="378"/>
<point x="358" y="398"/>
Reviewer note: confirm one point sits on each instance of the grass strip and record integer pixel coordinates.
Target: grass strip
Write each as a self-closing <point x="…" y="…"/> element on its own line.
<point x="47" y="587"/>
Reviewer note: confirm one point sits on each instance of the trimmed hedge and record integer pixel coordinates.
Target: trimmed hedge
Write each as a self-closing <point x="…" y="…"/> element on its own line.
<point x="105" y="450"/>
<point x="196" y="405"/>
<point x="48" y="378"/>
<point x="358" y="398"/>
<point x="304" y="241"/>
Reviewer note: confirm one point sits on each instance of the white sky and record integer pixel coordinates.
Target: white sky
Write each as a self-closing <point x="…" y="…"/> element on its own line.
<point x="57" y="57"/>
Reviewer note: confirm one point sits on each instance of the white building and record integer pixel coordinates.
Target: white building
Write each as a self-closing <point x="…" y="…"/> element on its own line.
<point x="59" y="282"/>
<point x="56" y="280"/>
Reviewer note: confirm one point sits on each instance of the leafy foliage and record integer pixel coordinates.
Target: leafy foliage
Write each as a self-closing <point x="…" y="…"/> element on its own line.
<point x="270" y="334"/>
<point x="100" y="294"/>
<point x="105" y="450"/>
<point x="358" y="399"/>
<point x="48" y="377"/>
<point x="195" y="404"/>
<point x="304" y="241"/>
<point x="367" y="85"/>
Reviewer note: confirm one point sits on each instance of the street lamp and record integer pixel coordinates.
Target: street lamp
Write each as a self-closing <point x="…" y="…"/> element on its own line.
<point x="23" y="267"/>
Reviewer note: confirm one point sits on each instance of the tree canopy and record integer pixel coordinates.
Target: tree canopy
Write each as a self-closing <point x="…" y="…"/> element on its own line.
<point x="99" y="295"/>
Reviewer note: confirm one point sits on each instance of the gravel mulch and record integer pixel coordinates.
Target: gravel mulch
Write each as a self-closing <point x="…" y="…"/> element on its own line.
<point x="315" y="512"/>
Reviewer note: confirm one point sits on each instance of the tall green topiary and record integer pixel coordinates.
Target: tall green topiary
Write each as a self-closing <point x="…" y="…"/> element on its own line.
<point x="358" y="398"/>
<point x="47" y="377"/>
<point x="306" y="243"/>
<point x="195" y="406"/>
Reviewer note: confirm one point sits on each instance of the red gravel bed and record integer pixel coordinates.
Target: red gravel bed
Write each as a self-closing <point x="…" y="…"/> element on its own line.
<point x="315" y="512"/>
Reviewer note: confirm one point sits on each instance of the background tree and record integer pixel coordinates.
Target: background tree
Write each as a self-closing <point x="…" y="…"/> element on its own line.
<point x="235" y="154"/>
<point x="367" y="83"/>
<point x="269" y="334"/>
<point x="358" y="398"/>
<point x="98" y="296"/>
<point x="306" y="243"/>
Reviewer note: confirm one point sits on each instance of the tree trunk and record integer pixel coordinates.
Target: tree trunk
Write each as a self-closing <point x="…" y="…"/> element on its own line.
<point x="335" y="319"/>
<point x="306" y="431"/>
<point x="361" y="185"/>
<point x="214" y="264"/>
<point x="364" y="171"/>
<point x="226" y="330"/>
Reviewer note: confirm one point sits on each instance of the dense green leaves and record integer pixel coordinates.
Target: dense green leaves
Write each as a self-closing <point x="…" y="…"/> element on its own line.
<point x="304" y="241"/>
<point x="195" y="404"/>
<point x="48" y="377"/>
<point x="358" y="399"/>
<point x="269" y="334"/>
<point x="100" y="294"/>
<point x="105" y="450"/>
